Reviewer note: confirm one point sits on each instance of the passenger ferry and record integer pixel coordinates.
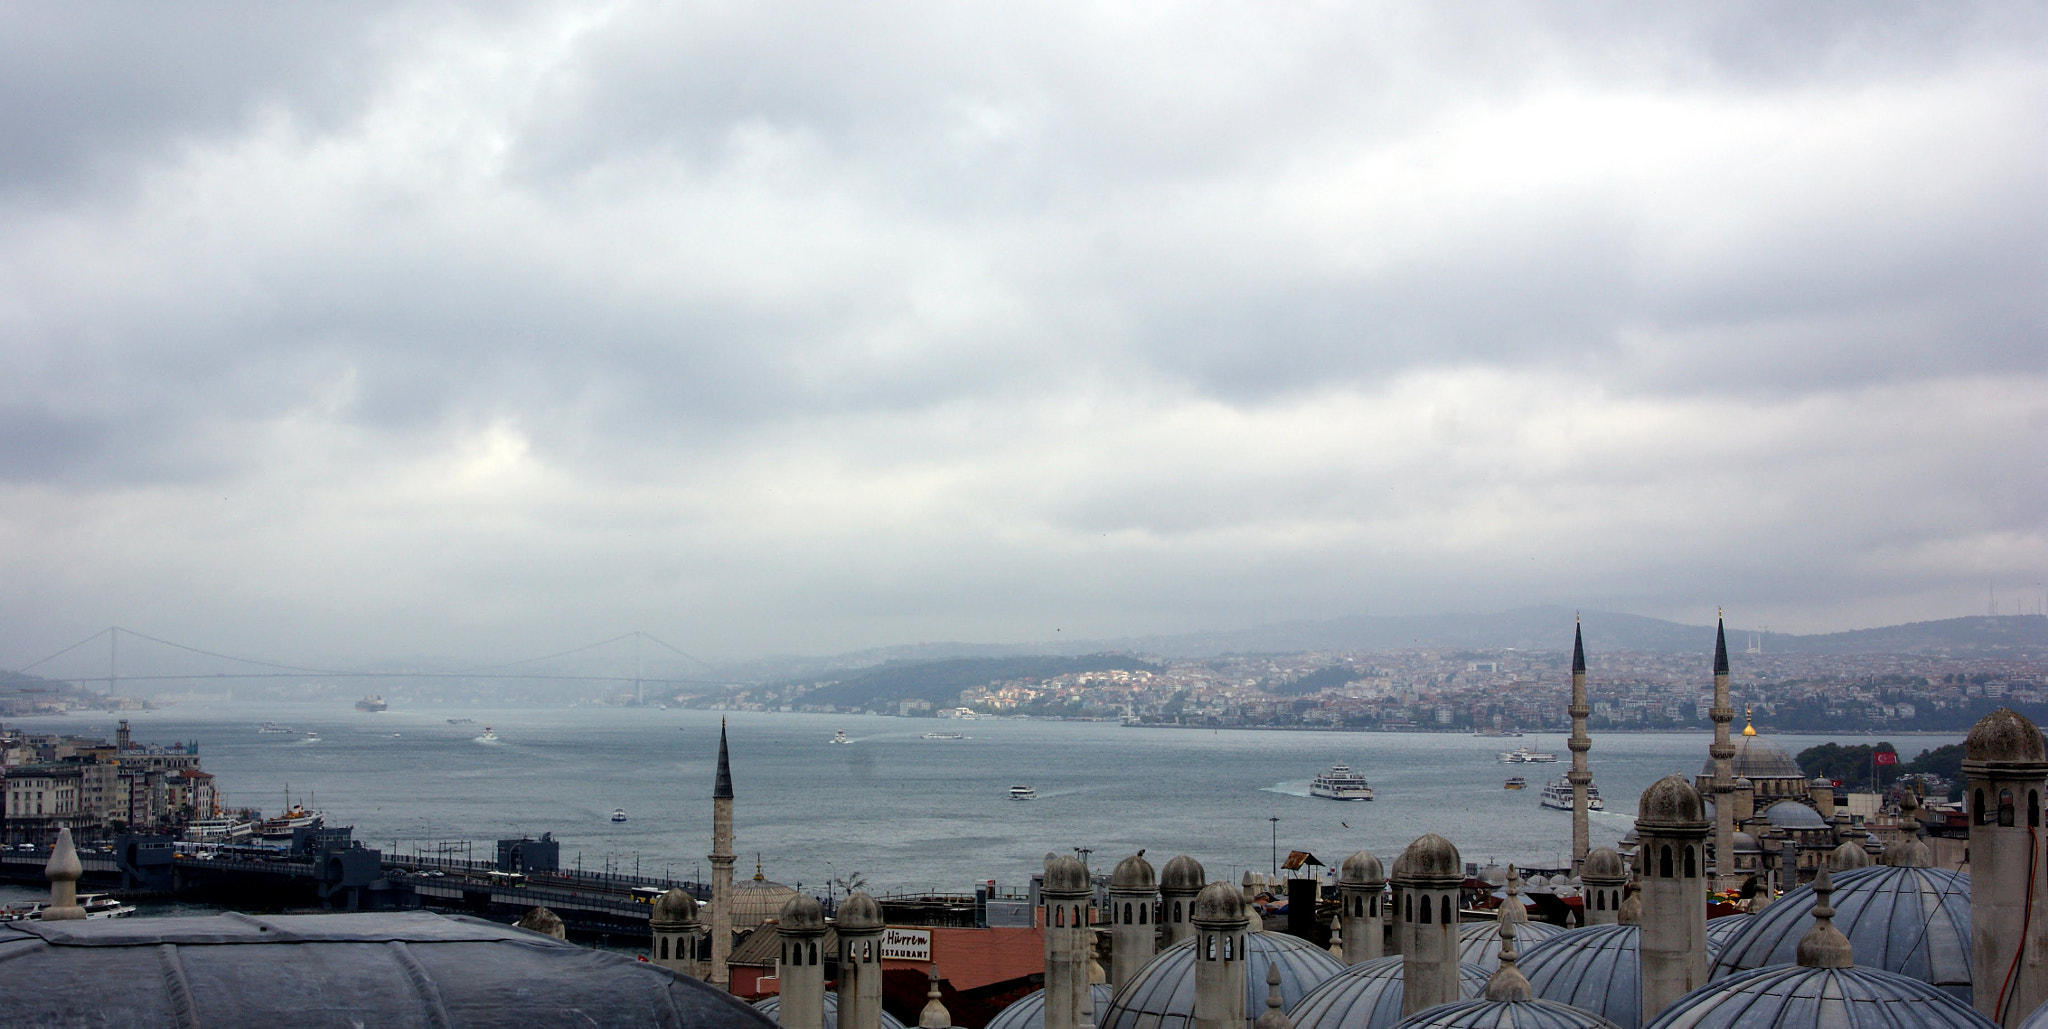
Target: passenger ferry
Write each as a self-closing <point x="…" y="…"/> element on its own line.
<point x="839" y="736"/>
<point x="373" y="702"/>
<point x="488" y="736"/>
<point x="1023" y="793"/>
<point x="1515" y="783"/>
<point x="1557" y="793"/>
<point x="1525" y="756"/>
<point x="618" y="814"/>
<point x="275" y="727"/>
<point x="1340" y="783"/>
<point x="945" y="735"/>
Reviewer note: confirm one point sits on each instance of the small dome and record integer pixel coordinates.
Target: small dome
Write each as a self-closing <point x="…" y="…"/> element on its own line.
<point x="1791" y="814"/>
<point x="1220" y="903"/>
<point x="1593" y="968"/>
<point x="755" y="901"/>
<point x="1671" y="801"/>
<point x="1908" y="853"/>
<point x="1835" y="998"/>
<point x="2004" y="735"/>
<point x="1360" y="869"/>
<point x="1756" y="757"/>
<point x="1430" y="857"/>
<point x="1603" y="863"/>
<point x="801" y="913"/>
<point x="1493" y="875"/>
<point x="1746" y="844"/>
<point x="1743" y="782"/>
<point x="1134" y="873"/>
<point x="1183" y="874"/>
<point x="1913" y="921"/>
<point x="1028" y="1011"/>
<point x="1849" y="855"/>
<point x="771" y="1004"/>
<point x="859" y="912"/>
<point x="1065" y="874"/>
<point x="1163" y="992"/>
<point x="1480" y="1013"/>
<point x="674" y="908"/>
<point x="1479" y="942"/>
<point x="1368" y="996"/>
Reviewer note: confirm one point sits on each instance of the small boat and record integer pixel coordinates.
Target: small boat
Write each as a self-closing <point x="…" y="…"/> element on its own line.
<point x="945" y="735"/>
<point x="618" y="814"/>
<point x="839" y="736"/>
<point x="462" y="721"/>
<point x="1340" y="783"/>
<point x="99" y="905"/>
<point x="275" y="727"/>
<point x="1557" y="793"/>
<point x="1023" y="793"/>
<point x="488" y="736"/>
<point x="1515" y="783"/>
<point x="312" y="737"/>
<point x="1525" y="756"/>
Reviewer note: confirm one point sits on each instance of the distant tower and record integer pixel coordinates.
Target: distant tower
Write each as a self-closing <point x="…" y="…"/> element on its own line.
<point x="801" y="928"/>
<point x="1580" y="743"/>
<point x="1361" y="887"/>
<point x="1671" y="824"/>
<point x="1065" y="892"/>
<point x="721" y="857"/>
<point x="1601" y="881"/>
<point x="675" y="929"/>
<point x="1133" y="897"/>
<point x="860" y="962"/>
<point x="2007" y="769"/>
<point x="1179" y="883"/>
<point x="1723" y="752"/>
<point x="1427" y="877"/>
<point x="1221" y="919"/>
<point x="122" y="740"/>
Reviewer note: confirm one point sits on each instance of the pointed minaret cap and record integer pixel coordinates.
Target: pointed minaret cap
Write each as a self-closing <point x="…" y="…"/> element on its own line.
<point x="1275" y="1017"/>
<point x="1508" y="982"/>
<point x="722" y="789"/>
<point x="1824" y="946"/>
<point x="1511" y="908"/>
<point x="1578" y="647"/>
<point x="63" y="871"/>
<point x="934" y="1015"/>
<point x="1720" y="645"/>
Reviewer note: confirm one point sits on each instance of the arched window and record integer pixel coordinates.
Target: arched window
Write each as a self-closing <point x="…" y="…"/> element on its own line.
<point x="2005" y="812"/>
<point x="1143" y="910"/>
<point x="1228" y="952"/>
<point x="1425" y="911"/>
<point x="1983" y="815"/>
<point x="1374" y="905"/>
<point x="1059" y="915"/>
<point x="1599" y="900"/>
<point x="813" y="956"/>
<point x="1211" y="947"/>
<point x="2033" y="809"/>
<point x="1410" y="916"/>
<point x="1692" y="867"/>
<point x="1664" y="861"/>
<point x="1446" y="919"/>
<point x="1129" y="918"/>
<point x="663" y="942"/>
<point x="1176" y="911"/>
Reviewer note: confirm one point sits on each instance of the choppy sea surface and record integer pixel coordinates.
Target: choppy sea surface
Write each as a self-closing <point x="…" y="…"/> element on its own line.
<point x="901" y="811"/>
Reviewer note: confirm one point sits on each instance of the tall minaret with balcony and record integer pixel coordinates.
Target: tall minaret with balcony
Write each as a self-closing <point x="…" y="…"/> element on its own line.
<point x="1723" y="752"/>
<point x="1580" y="743"/>
<point x="721" y="858"/>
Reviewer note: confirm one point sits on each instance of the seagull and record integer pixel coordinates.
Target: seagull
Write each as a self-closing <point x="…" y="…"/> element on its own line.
<point x="1346" y="825"/>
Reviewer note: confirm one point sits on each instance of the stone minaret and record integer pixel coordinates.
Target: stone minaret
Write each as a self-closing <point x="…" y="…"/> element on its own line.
<point x="1580" y="776"/>
<point x="721" y="858"/>
<point x="1221" y="920"/>
<point x="2007" y="769"/>
<point x="860" y="962"/>
<point x="1361" y="886"/>
<point x="1426" y="880"/>
<point x="63" y="870"/>
<point x="1600" y="884"/>
<point x="674" y="927"/>
<point x="1671" y="823"/>
<point x="1065" y="893"/>
<point x="1133" y="897"/>
<point x="1179" y="883"/>
<point x="1723" y="753"/>
<point x="802" y="928"/>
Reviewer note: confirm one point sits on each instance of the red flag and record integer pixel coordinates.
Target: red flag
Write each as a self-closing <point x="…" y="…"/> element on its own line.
<point x="1887" y="757"/>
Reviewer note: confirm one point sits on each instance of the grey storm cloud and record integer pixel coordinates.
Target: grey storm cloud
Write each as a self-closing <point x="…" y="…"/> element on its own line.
<point x="391" y="327"/>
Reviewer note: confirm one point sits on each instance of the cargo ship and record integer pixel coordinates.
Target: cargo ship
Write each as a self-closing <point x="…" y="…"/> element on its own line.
<point x="373" y="702"/>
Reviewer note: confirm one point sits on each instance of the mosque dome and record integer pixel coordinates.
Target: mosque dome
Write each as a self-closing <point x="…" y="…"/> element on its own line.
<point x="1065" y="874"/>
<point x="1368" y="995"/>
<point x="1593" y="968"/>
<point x="768" y="1006"/>
<point x="1220" y="902"/>
<point x="1756" y="757"/>
<point x="1746" y="844"/>
<point x="1670" y="801"/>
<point x="1479" y="942"/>
<point x="1183" y="874"/>
<point x="1162" y="994"/>
<point x="1134" y="873"/>
<point x="1913" y="921"/>
<point x="756" y="900"/>
<point x="1493" y="875"/>
<point x="1791" y="814"/>
<point x="1361" y="868"/>
<point x="1603" y="863"/>
<point x="675" y="907"/>
<point x="1480" y="1013"/>
<point x="334" y="969"/>
<point x="1850" y="855"/>
<point x="2004" y="735"/>
<point x="802" y="912"/>
<point x="1826" y="998"/>
<point x="1430" y="857"/>
<point x="859" y="911"/>
<point x="1028" y="1011"/>
<point x="1721" y="930"/>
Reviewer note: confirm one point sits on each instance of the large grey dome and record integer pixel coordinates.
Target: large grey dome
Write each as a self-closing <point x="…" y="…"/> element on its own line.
<point x="1183" y="874"/>
<point x="1791" y="814"/>
<point x="1670" y="801"/>
<point x="1430" y="858"/>
<point x="1028" y="1011"/>
<point x="802" y="912"/>
<point x="1756" y="757"/>
<point x="1913" y="921"/>
<point x="1721" y="930"/>
<point x="770" y="1005"/>
<point x="1504" y="1014"/>
<point x="1603" y="863"/>
<point x="859" y="912"/>
<point x="1594" y="968"/>
<point x="674" y="909"/>
<point x="1360" y="868"/>
<point x="1368" y="996"/>
<point x="1219" y="903"/>
<point x="1825" y="998"/>
<point x="1479" y="942"/>
<point x="1134" y="873"/>
<point x="1065" y="874"/>
<point x="1162" y="994"/>
<point x="2004" y="735"/>
<point x="756" y="900"/>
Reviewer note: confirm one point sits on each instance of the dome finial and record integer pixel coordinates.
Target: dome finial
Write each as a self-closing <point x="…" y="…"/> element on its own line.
<point x="1508" y="982"/>
<point x="1824" y="946"/>
<point x="1275" y="1016"/>
<point x="1748" y="722"/>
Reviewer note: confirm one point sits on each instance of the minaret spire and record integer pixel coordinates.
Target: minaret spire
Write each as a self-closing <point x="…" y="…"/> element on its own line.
<point x="1723" y="753"/>
<point x="1508" y="982"/>
<point x="721" y="858"/>
<point x="1580" y="776"/>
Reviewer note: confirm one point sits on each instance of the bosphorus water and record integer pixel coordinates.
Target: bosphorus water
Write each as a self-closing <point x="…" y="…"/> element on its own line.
<point x="905" y="812"/>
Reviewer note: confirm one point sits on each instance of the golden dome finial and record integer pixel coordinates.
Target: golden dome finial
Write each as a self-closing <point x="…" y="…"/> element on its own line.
<point x="1748" y="723"/>
<point x="758" y="877"/>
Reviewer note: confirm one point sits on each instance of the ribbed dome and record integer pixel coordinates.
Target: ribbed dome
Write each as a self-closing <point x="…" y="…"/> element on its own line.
<point x="1368" y="996"/>
<point x="1219" y="903"/>
<point x="1791" y="814"/>
<point x="674" y="908"/>
<point x="1721" y="930"/>
<point x="1746" y="844"/>
<point x="1914" y="921"/>
<point x="770" y="1005"/>
<point x="1594" y="968"/>
<point x="1671" y="801"/>
<point x="802" y="912"/>
<point x="1183" y="874"/>
<point x="859" y="911"/>
<point x="1479" y="942"/>
<point x="1162" y="994"/>
<point x="1504" y="1014"/>
<point x="1134" y="873"/>
<point x="1756" y="757"/>
<point x="1430" y="857"/>
<point x="1360" y="868"/>
<point x="1065" y="874"/>
<point x="755" y="901"/>
<point x="1028" y="1011"/>
<point x="1824" y="998"/>
<point x="1603" y="863"/>
<point x="2004" y="735"/>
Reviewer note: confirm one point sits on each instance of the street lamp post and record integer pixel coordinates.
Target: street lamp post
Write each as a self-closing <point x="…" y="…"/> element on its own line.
<point x="1275" y="819"/>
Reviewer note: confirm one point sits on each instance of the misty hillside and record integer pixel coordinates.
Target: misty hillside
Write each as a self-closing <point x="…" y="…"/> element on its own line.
<point x="940" y="682"/>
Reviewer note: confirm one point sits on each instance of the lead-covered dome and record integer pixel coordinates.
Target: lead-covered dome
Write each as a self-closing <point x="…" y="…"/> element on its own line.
<point x="1727" y="927"/>
<point x="1134" y="873"/>
<point x="1913" y="921"/>
<point x="1671" y="801"/>
<point x="1825" y="998"/>
<point x="1603" y="863"/>
<point x="1360" y="869"/>
<point x="802" y="912"/>
<point x="756" y="900"/>
<point x="1430" y="858"/>
<point x="859" y="911"/>
<point x="770" y="1005"/>
<point x="1480" y="1013"/>
<point x="1756" y="757"/>
<point x="1065" y="874"/>
<point x="2004" y="735"/>
<point x="1028" y="1011"/>
<point x="1594" y="968"/>
<point x="1162" y="994"/>
<point x="1479" y="942"/>
<point x="1219" y="903"/>
<point x="1368" y="995"/>
<point x="674" y="908"/>
<point x="1791" y="814"/>
<point x="1183" y="874"/>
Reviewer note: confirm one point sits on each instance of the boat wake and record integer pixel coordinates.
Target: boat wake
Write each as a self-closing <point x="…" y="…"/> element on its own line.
<point x="1292" y="788"/>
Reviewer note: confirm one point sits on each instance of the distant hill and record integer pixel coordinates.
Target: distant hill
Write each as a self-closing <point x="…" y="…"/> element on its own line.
<point x="1982" y="636"/>
<point x="940" y="682"/>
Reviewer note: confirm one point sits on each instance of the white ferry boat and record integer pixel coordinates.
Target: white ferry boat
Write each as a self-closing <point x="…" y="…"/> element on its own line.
<point x="1023" y="793"/>
<point x="273" y="727"/>
<point x="618" y="814"/>
<point x="488" y="736"/>
<point x="1525" y="756"/>
<point x="839" y="736"/>
<point x="1557" y="793"/>
<point x="1340" y="783"/>
<point x="945" y="735"/>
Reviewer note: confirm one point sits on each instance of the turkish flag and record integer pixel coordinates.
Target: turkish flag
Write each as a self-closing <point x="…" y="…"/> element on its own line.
<point x="1887" y="757"/>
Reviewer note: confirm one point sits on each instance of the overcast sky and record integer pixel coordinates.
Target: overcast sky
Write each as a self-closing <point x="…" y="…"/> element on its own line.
<point x="376" y="329"/>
